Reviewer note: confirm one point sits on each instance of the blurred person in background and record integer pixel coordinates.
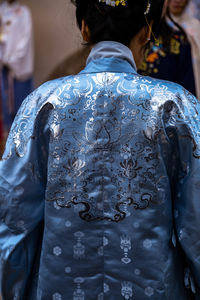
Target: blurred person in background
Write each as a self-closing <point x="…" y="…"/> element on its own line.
<point x="191" y="25"/>
<point x="175" y="56"/>
<point x="16" y="59"/>
<point x="170" y="57"/>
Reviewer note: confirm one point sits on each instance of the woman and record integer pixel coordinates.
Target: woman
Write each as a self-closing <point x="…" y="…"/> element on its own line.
<point x="178" y="11"/>
<point x="100" y="177"/>
<point x="170" y="59"/>
<point x="16" y="59"/>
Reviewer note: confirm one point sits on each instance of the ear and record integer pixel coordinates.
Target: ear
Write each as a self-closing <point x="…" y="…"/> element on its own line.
<point x="145" y="34"/>
<point x="85" y="32"/>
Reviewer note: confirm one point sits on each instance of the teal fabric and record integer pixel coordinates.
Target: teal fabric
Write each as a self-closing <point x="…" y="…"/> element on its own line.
<point x="100" y="188"/>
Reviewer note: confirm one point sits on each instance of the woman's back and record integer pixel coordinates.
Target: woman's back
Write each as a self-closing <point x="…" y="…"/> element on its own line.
<point x="112" y="137"/>
<point x="99" y="186"/>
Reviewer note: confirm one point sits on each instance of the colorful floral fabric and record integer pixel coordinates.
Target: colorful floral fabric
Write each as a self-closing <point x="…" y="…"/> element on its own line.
<point x="173" y="64"/>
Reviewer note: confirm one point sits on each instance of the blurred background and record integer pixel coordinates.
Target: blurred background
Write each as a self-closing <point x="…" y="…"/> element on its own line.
<point x="55" y="34"/>
<point x="36" y="36"/>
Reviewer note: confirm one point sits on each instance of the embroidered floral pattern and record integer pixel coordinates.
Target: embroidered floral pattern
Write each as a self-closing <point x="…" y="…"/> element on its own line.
<point x="109" y="141"/>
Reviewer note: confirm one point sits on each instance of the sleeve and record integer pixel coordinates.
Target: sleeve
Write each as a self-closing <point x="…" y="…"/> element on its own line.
<point x="19" y="49"/>
<point x="184" y="132"/>
<point x="22" y="192"/>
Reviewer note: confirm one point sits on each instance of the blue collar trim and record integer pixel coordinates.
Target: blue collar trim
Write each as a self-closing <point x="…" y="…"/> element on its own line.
<point x="110" y="57"/>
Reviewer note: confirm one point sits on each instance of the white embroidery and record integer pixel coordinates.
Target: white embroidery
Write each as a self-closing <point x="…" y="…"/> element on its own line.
<point x="79" y="248"/>
<point x="147" y="244"/>
<point x="137" y="272"/>
<point x="180" y="234"/>
<point x="100" y="297"/>
<point x="106" y="288"/>
<point x="57" y="296"/>
<point x="149" y="291"/>
<point x="125" y="209"/>
<point x="79" y="293"/>
<point x="125" y="152"/>
<point x="100" y="251"/>
<point x="57" y="251"/>
<point x="105" y="241"/>
<point x="125" y="246"/>
<point x="127" y="290"/>
<point x="68" y="270"/>
<point x="68" y="224"/>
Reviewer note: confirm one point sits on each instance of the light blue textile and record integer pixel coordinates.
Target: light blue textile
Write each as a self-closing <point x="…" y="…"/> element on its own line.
<point x="100" y="189"/>
<point x="110" y="49"/>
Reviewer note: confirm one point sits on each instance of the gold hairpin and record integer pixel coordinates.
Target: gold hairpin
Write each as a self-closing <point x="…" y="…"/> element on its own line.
<point x="148" y="8"/>
<point x="114" y="2"/>
<point x="157" y="43"/>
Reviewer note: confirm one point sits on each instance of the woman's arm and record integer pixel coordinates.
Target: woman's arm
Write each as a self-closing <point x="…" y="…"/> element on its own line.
<point x="22" y="193"/>
<point x="183" y="128"/>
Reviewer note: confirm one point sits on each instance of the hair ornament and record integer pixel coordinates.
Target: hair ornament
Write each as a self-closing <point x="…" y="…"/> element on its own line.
<point x="114" y="2"/>
<point x="148" y="8"/>
<point x="157" y="42"/>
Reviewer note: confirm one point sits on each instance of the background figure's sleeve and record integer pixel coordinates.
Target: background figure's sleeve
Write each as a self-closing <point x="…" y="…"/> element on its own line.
<point x="22" y="193"/>
<point x="185" y="72"/>
<point x="19" y="46"/>
<point x="184" y="131"/>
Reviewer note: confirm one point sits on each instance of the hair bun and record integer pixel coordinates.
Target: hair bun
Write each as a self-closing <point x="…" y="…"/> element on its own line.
<point x="117" y="20"/>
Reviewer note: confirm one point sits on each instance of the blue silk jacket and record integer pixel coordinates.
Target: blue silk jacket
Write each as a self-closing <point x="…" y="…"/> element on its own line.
<point x="100" y="188"/>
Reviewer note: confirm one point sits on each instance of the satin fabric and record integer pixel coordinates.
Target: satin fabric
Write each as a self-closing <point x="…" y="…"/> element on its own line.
<point x="99" y="188"/>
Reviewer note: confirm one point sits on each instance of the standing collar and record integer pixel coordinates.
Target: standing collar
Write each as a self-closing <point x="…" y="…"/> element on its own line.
<point x="110" y="56"/>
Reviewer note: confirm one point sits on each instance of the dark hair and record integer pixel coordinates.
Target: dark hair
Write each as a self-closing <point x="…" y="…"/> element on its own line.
<point x="119" y="23"/>
<point x="11" y="1"/>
